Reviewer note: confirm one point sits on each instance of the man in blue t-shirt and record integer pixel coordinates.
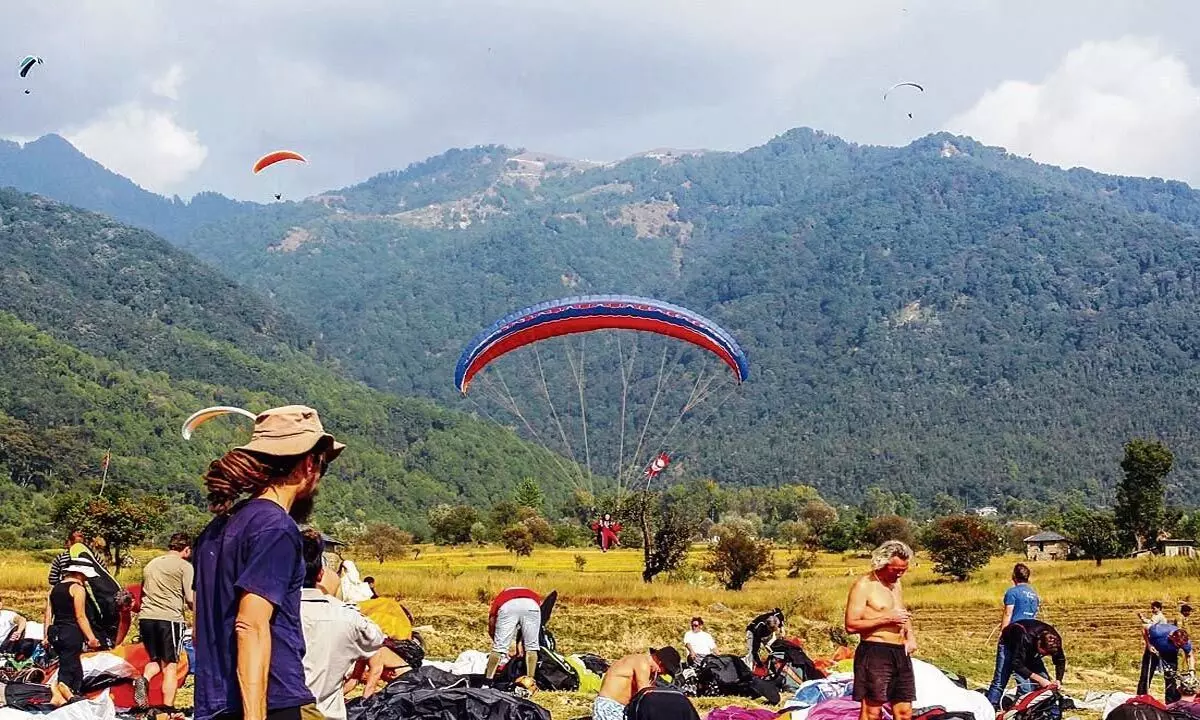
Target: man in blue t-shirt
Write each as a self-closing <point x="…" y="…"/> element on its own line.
<point x="1164" y="642"/>
<point x="249" y="641"/>
<point x="1021" y="602"/>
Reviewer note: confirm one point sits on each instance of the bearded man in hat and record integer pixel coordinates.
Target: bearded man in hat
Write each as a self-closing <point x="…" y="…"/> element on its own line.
<point x="250" y="568"/>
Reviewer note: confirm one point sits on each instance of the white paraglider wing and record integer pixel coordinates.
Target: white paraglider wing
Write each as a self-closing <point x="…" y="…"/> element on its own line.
<point x="200" y="417"/>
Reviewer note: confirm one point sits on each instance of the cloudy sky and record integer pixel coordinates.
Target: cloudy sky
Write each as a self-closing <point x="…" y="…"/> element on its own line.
<point x="183" y="97"/>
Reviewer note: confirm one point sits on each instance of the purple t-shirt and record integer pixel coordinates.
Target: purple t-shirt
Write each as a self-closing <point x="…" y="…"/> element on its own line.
<point x="256" y="549"/>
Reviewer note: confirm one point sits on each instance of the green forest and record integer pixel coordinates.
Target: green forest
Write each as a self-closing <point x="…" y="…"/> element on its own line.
<point x="944" y="320"/>
<point x="109" y="338"/>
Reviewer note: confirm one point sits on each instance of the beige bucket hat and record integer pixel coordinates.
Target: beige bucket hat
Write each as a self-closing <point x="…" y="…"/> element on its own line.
<point x="290" y="430"/>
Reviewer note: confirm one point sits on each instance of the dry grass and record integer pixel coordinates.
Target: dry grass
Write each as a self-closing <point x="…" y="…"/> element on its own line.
<point x="606" y="608"/>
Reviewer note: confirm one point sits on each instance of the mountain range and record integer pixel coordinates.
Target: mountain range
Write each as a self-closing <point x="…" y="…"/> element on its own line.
<point x="940" y="317"/>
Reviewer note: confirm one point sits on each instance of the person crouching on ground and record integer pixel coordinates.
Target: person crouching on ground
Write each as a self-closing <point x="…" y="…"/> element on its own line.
<point x="514" y="608"/>
<point x="248" y="639"/>
<point x="67" y="628"/>
<point x="336" y="635"/>
<point x="1023" y="644"/>
<point x="629" y="675"/>
<point x="166" y="595"/>
<point x="762" y="633"/>
<point x="883" y="671"/>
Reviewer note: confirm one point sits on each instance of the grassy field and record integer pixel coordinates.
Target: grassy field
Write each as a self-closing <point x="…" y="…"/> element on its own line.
<point x="606" y="609"/>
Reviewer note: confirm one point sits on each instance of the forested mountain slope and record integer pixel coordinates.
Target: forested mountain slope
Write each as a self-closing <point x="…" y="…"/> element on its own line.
<point x="109" y="338"/>
<point x="942" y="316"/>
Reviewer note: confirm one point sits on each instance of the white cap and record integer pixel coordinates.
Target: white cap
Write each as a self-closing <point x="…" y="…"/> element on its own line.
<point x="84" y="570"/>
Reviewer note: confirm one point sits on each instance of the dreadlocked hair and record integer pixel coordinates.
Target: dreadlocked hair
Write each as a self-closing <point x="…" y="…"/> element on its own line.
<point x="243" y="471"/>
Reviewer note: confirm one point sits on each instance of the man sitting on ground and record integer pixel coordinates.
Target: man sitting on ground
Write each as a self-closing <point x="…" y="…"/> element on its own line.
<point x="514" y="608"/>
<point x="336" y="635"/>
<point x="698" y="641"/>
<point x="1164" y="642"/>
<point x="627" y="676"/>
<point x="1025" y="643"/>
<point x="166" y="595"/>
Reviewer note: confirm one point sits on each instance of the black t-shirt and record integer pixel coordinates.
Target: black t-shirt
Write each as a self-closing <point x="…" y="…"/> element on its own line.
<point x="1020" y="639"/>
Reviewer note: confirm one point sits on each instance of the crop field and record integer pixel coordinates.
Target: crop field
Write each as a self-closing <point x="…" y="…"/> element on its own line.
<point x="605" y="608"/>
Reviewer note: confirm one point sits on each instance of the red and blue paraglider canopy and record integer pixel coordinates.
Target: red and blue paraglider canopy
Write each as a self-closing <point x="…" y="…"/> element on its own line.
<point x="597" y="312"/>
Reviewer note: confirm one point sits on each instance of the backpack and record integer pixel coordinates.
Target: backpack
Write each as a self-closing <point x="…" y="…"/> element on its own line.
<point x="553" y="671"/>
<point x="1134" y="710"/>
<point x="659" y="703"/>
<point x="729" y="675"/>
<point x="1041" y="704"/>
<point x="937" y="712"/>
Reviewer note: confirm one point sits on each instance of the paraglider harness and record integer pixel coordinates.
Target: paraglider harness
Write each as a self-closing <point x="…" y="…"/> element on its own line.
<point x="1041" y="704"/>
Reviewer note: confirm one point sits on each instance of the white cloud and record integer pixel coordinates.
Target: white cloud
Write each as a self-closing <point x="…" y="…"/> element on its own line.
<point x="168" y="84"/>
<point x="143" y="144"/>
<point x="1124" y="106"/>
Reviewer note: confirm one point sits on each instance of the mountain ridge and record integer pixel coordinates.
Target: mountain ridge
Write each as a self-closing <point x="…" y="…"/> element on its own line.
<point x="940" y="316"/>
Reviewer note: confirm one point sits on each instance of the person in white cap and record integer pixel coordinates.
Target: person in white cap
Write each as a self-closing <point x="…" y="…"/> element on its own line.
<point x="249" y="570"/>
<point x="67" y="628"/>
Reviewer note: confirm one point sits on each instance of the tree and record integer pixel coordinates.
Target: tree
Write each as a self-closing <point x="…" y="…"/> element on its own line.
<point x="819" y="515"/>
<point x="945" y="504"/>
<point x="517" y="539"/>
<point x="122" y="522"/>
<point x="451" y="524"/>
<point x="539" y="530"/>
<point x="667" y="547"/>
<point x="846" y="534"/>
<point x="961" y="544"/>
<point x="737" y="557"/>
<point x="529" y="494"/>
<point x="1139" y="510"/>
<point x="878" y="502"/>
<point x="386" y="541"/>
<point x="793" y="533"/>
<point x="888" y="527"/>
<point x="1094" y="532"/>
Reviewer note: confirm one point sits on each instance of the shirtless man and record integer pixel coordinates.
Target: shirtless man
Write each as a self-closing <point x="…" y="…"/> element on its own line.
<point x="875" y="612"/>
<point x="629" y="675"/>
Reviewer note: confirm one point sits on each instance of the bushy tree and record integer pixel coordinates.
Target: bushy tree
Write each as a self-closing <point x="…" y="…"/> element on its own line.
<point x="961" y="544"/>
<point x="1094" y="532"/>
<point x="889" y="527"/>
<point x="1139" y="512"/>
<point x="819" y="515"/>
<point x="517" y="539"/>
<point x="122" y="522"/>
<point x="385" y="541"/>
<point x="529" y="494"/>
<point x="845" y="534"/>
<point x="451" y="524"/>
<point x="539" y="529"/>
<point x="669" y="540"/>
<point x="738" y="557"/>
<point x="793" y="533"/>
<point x="570" y="534"/>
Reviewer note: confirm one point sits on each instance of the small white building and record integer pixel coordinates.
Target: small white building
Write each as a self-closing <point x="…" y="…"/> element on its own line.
<point x="987" y="511"/>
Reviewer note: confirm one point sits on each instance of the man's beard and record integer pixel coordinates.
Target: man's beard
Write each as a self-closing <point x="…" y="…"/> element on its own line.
<point x="302" y="508"/>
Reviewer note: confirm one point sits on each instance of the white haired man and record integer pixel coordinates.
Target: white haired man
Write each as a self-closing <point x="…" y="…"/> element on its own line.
<point x="875" y="612"/>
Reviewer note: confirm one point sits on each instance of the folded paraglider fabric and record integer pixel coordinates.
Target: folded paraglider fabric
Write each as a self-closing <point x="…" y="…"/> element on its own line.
<point x="444" y="704"/>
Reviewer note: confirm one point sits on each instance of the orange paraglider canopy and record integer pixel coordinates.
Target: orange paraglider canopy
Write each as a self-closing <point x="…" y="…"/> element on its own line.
<point x="277" y="156"/>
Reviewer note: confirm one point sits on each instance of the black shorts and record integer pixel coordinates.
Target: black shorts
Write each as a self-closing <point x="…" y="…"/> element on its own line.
<point x="162" y="639"/>
<point x="883" y="673"/>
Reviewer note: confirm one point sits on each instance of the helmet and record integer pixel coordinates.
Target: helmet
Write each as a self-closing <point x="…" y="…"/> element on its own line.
<point x="525" y="687"/>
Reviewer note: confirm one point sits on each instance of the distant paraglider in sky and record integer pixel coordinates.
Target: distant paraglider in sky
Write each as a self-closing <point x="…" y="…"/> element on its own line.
<point x="903" y="85"/>
<point x="274" y="157"/>
<point x="26" y="65"/>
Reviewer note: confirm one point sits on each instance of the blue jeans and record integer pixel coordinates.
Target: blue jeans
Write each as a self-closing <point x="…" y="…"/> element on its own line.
<point x="1004" y="671"/>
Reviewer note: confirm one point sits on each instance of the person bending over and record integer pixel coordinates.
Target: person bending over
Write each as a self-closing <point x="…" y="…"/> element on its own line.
<point x="512" y="609"/>
<point x="627" y="676"/>
<point x="1023" y="645"/>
